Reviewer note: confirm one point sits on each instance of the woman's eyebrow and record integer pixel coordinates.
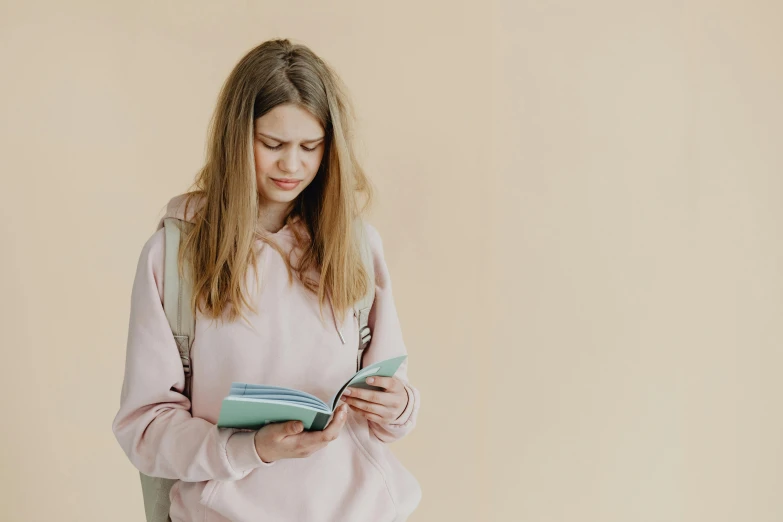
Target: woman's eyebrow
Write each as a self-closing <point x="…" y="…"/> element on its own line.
<point x="281" y="141"/>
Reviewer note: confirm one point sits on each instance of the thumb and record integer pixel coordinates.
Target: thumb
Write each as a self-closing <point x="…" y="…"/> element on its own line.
<point x="286" y="429"/>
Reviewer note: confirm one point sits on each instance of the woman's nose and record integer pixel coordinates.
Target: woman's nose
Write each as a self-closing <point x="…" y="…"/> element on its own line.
<point x="288" y="162"/>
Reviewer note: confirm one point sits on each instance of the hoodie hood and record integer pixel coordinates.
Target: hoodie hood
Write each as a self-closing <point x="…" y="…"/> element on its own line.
<point x="176" y="208"/>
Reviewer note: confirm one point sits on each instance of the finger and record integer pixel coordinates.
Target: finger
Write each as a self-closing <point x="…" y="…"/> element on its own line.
<point x="366" y="395"/>
<point x="371" y="416"/>
<point x="338" y="419"/>
<point x="387" y="383"/>
<point x="388" y="399"/>
<point x="288" y="429"/>
<point x="330" y="433"/>
<point x="366" y="406"/>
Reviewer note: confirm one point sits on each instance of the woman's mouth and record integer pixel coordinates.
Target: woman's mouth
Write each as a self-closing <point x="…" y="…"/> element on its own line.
<point x="287" y="184"/>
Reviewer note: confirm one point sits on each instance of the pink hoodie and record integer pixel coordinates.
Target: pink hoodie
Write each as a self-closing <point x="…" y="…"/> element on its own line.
<point x="220" y="476"/>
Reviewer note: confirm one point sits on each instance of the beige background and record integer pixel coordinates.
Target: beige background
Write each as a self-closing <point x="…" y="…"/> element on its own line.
<point x="581" y="207"/>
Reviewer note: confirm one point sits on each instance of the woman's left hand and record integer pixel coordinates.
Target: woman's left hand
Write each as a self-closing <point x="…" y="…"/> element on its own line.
<point x="382" y="406"/>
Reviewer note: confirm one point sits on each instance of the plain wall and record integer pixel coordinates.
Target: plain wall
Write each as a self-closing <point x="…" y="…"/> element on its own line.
<point x="581" y="211"/>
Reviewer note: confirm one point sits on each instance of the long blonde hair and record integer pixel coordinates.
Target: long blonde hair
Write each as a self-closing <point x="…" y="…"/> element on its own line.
<point x="219" y="247"/>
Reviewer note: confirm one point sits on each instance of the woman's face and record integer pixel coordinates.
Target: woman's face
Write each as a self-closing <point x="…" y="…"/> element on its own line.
<point x="288" y="147"/>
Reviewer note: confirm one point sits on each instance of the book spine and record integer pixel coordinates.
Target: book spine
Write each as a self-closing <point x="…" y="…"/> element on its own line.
<point x="319" y="422"/>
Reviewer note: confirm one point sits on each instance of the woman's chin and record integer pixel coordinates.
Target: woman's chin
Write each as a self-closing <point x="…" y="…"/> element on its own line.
<point x="284" y="197"/>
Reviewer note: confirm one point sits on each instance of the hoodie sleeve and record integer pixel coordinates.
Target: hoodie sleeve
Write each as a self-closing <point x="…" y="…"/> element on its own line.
<point x="154" y="425"/>
<point x="387" y="341"/>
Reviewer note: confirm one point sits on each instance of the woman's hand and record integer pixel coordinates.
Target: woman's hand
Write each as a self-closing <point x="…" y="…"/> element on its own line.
<point x="383" y="407"/>
<point x="287" y="440"/>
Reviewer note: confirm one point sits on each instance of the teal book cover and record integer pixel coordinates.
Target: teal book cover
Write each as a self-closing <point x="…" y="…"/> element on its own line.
<point x="252" y="406"/>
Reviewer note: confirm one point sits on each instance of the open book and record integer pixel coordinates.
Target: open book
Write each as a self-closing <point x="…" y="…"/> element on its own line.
<point x="252" y="406"/>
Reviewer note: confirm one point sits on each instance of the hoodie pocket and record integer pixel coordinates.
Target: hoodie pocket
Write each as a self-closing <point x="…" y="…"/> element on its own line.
<point x="337" y="483"/>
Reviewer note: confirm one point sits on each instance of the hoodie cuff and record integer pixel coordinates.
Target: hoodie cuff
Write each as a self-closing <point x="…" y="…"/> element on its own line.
<point x="241" y="452"/>
<point x="405" y="416"/>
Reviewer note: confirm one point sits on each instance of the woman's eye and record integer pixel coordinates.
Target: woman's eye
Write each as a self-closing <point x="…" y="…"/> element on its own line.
<point x="278" y="147"/>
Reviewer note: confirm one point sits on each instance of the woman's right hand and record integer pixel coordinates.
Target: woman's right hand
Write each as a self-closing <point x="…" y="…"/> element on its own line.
<point x="287" y="440"/>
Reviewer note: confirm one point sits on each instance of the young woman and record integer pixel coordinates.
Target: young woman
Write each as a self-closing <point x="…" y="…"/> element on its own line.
<point x="276" y="269"/>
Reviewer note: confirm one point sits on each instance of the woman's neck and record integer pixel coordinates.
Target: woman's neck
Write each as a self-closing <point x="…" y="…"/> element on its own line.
<point x="272" y="217"/>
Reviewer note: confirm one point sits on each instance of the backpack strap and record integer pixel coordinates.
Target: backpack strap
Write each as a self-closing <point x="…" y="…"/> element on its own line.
<point x="177" y="293"/>
<point x="364" y="305"/>
<point x="176" y="304"/>
<point x="155" y="491"/>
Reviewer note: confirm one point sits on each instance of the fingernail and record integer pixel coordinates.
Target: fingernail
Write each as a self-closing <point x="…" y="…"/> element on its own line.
<point x="347" y="391"/>
<point x="370" y="380"/>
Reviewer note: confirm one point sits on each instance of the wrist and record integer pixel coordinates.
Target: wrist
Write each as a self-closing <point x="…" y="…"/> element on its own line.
<point x="260" y="454"/>
<point x="406" y="411"/>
